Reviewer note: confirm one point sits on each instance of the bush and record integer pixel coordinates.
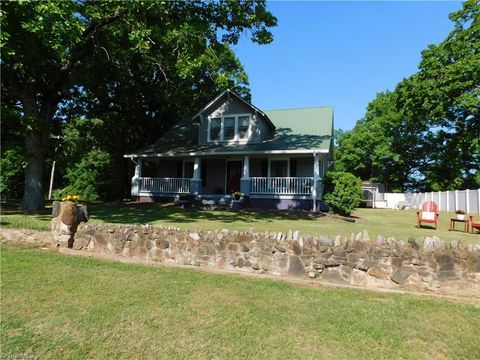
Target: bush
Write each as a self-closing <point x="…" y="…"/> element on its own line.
<point x="343" y="192"/>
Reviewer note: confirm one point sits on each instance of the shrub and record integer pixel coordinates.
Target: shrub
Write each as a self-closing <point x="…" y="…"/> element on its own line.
<point x="344" y="192"/>
<point x="237" y="195"/>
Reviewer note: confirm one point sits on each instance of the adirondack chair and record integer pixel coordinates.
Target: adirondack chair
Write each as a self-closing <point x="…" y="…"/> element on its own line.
<point x="474" y="225"/>
<point x="428" y="214"/>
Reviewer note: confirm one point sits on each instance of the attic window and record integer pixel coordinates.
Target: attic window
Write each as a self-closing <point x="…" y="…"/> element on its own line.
<point x="215" y="127"/>
<point x="243" y="123"/>
<point x="229" y="128"/>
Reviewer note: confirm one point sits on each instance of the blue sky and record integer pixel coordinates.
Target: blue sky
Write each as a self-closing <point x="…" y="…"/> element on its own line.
<point x="341" y="53"/>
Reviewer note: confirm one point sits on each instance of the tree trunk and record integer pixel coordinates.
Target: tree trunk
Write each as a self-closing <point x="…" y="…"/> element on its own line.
<point x="36" y="137"/>
<point x="34" y="150"/>
<point x="38" y="121"/>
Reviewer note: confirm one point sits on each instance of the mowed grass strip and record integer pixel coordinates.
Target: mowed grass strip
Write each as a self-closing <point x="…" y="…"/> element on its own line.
<point x="55" y="306"/>
<point x="385" y="222"/>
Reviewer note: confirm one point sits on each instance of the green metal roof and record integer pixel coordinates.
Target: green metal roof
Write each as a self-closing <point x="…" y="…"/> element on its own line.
<point x="309" y="129"/>
<point x="307" y="121"/>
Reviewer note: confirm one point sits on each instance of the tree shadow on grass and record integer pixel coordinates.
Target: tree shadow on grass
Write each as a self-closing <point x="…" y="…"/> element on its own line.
<point x="32" y="222"/>
<point x="137" y="213"/>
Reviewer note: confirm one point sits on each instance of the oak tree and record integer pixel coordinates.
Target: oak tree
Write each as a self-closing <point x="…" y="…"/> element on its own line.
<point x="64" y="57"/>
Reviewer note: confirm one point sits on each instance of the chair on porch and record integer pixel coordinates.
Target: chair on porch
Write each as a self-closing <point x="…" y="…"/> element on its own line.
<point x="474" y="225"/>
<point x="429" y="214"/>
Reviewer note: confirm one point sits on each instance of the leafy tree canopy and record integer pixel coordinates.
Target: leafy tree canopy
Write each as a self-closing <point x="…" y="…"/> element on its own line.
<point x="425" y="135"/>
<point x="137" y="65"/>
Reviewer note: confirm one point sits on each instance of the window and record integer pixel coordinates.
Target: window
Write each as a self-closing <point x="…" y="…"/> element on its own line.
<point x="279" y="168"/>
<point x="243" y="124"/>
<point x="179" y="169"/>
<point x="188" y="169"/>
<point x="293" y="168"/>
<point x="264" y="170"/>
<point x="229" y="128"/>
<point x="215" y="127"/>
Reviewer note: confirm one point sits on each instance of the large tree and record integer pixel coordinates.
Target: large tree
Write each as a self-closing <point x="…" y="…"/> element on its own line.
<point x="443" y="99"/>
<point x="357" y="150"/>
<point x="425" y="135"/>
<point x="381" y="147"/>
<point x="70" y="57"/>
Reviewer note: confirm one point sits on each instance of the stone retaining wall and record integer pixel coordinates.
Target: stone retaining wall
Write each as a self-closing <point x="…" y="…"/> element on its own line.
<point x="357" y="260"/>
<point x="25" y="236"/>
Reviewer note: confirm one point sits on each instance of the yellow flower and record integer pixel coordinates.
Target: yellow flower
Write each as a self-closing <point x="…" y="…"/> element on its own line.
<point x="76" y="197"/>
<point x="69" y="197"/>
<point x="64" y="198"/>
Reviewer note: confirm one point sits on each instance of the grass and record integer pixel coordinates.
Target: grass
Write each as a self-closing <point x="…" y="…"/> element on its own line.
<point x="399" y="224"/>
<point x="56" y="306"/>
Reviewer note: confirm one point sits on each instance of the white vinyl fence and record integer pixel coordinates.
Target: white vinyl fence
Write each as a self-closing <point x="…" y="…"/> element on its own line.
<point x="466" y="200"/>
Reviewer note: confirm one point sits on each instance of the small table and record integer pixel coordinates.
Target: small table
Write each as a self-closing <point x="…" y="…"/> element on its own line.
<point x="454" y="220"/>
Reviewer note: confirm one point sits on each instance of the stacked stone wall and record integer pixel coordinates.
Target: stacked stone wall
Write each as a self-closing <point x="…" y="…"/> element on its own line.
<point x="26" y="236"/>
<point x="355" y="260"/>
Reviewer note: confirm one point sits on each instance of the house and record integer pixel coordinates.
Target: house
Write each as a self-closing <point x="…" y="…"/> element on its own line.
<point x="277" y="158"/>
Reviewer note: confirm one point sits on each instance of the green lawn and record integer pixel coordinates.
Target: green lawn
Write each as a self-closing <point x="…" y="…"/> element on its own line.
<point x="57" y="306"/>
<point x="399" y="224"/>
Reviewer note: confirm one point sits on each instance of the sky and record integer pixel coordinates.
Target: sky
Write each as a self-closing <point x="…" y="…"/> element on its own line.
<point x="341" y="54"/>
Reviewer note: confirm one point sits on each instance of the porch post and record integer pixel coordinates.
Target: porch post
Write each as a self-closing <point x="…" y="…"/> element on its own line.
<point x="196" y="181"/>
<point x="245" y="180"/>
<point x="135" y="191"/>
<point x="316" y="178"/>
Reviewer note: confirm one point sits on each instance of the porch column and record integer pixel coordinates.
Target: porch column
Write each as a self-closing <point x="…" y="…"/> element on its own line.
<point x="196" y="181"/>
<point x="326" y="166"/>
<point x="245" y="180"/>
<point x="136" y="179"/>
<point x="316" y="180"/>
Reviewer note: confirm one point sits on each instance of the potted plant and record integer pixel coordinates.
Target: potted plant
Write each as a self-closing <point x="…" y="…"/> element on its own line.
<point x="460" y="214"/>
<point x="237" y="202"/>
<point x="183" y="200"/>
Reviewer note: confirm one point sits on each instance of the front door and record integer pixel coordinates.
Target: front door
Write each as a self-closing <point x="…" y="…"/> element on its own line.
<point x="234" y="173"/>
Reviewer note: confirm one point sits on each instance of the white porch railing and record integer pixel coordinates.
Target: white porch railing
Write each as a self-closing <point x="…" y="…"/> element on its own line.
<point x="282" y="185"/>
<point x="165" y="185"/>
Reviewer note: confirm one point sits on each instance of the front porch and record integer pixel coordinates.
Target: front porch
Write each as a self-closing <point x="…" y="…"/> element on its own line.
<point x="279" y="182"/>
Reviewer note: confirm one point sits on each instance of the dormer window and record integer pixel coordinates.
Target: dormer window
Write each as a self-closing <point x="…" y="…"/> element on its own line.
<point x="243" y="125"/>
<point x="232" y="128"/>
<point x="228" y="128"/>
<point x="215" y="129"/>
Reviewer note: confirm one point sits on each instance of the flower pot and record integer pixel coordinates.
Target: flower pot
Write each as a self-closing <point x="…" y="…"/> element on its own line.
<point x="460" y="217"/>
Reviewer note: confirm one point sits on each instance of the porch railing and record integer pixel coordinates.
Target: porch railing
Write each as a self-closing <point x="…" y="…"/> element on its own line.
<point x="282" y="185"/>
<point x="165" y="185"/>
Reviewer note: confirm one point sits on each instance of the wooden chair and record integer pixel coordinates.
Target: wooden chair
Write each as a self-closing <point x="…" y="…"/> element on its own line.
<point x="474" y="225"/>
<point x="429" y="214"/>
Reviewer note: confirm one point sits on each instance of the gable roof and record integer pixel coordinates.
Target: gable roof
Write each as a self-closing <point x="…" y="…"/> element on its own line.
<point x="303" y="130"/>
<point x="229" y="93"/>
